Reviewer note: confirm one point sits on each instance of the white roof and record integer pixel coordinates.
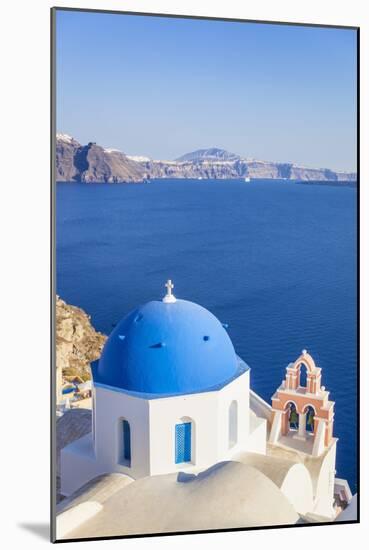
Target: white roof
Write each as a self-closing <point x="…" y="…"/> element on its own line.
<point x="227" y="495"/>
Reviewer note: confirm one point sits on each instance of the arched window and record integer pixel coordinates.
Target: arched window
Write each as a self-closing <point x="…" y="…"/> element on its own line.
<point x="293" y="417"/>
<point x="183" y="442"/>
<point x="310" y="413"/>
<point x="303" y="376"/>
<point x="232" y="424"/>
<point x="124" y="442"/>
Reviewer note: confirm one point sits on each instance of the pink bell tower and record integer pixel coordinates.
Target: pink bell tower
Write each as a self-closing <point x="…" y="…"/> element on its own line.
<point x="303" y="412"/>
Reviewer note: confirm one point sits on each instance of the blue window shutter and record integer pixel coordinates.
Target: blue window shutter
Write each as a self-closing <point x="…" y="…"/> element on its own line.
<point x="126" y="441"/>
<point x="183" y="442"/>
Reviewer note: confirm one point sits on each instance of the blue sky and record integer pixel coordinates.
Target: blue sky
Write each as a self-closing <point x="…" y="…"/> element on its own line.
<point x="163" y="87"/>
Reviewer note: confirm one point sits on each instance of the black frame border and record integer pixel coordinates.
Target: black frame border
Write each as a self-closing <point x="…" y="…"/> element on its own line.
<point x="53" y="490"/>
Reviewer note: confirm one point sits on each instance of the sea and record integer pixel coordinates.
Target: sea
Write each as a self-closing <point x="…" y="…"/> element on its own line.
<point x="275" y="260"/>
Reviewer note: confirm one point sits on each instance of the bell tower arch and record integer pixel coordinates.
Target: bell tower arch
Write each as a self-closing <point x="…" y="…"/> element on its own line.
<point x="310" y="418"/>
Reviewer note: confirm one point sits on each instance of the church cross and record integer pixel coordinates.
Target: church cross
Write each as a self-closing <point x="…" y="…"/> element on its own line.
<point x="169" y="286"/>
<point x="169" y="297"/>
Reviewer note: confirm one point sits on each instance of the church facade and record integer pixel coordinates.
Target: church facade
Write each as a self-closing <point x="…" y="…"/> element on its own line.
<point x="170" y="395"/>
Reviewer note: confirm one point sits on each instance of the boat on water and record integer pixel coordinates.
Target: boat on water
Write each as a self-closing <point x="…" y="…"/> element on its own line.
<point x="247" y="180"/>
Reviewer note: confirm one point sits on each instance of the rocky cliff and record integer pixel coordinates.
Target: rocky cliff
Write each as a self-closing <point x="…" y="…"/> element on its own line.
<point x="92" y="163"/>
<point x="220" y="164"/>
<point x="66" y="148"/>
<point x="77" y="342"/>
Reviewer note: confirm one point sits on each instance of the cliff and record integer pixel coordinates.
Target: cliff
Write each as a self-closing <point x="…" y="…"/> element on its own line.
<point x="92" y="163"/>
<point x="66" y="148"/>
<point x="220" y="164"/>
<point x="77" y="342"/>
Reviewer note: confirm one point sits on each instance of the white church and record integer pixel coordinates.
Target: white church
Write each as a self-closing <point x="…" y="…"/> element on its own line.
<point x="171" y="397"/>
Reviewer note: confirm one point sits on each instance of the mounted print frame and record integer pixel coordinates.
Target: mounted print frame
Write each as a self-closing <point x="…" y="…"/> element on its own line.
<point x="205" y="185"/>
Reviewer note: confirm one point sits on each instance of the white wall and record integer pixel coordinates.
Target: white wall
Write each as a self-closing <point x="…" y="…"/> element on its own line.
<point x="165" y="414"/>
<point x="257" y="435"/>
<point x="325" y="487"/>
<point x="111" y="406"/>
<point x="297" y="487"/>
<point x="99" y="452"/>
<point x="237" y="390"/>
<point x="210" y="431"/>
<point x="78" y="465"/>
<point x="260" y="407"/>
<point x="152" y="427"/>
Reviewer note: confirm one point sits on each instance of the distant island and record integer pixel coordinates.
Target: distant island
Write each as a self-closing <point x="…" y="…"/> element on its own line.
<point x="93" y="163"/>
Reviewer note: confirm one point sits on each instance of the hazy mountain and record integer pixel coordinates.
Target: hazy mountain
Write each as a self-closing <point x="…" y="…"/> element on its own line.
<point x="209" y="155"/>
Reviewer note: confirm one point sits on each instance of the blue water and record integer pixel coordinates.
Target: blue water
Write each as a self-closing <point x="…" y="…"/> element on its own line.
<point x="274" y="260"/>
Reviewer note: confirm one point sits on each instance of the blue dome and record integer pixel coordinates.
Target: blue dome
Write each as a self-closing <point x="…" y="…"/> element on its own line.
<point x="168" y="348"/>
